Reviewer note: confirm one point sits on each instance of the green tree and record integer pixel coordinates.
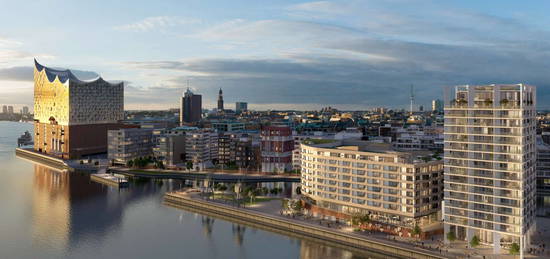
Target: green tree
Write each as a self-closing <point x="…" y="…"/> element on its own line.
<point x="451" y="236"/>
<point x="130" y="163"/>
<point x="514" y="249"/>
<point x="474" y="242"/>
<point x="189" y="165"/>
<point x="416" y="230"/>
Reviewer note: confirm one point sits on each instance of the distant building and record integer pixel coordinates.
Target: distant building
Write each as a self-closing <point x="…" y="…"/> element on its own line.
<point x="169" y="147"/>
<point x="220" y="101"/>
<point x="128" y="144"/>
<point x="72" y="116"/>
<point x="191" y="107"/>
<point x="201" y="147"/>
<point x="276" y="148"/>
<point x="228" y="126"/>
<point x="5" y="109"/>
<point x="437" y="105"/>
<point x="25" y="110"/>
<point x="241" y="107"/>
<point x="10" y="110"/>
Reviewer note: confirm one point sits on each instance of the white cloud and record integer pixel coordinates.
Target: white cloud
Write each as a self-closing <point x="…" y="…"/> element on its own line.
<point x="156" y="22"/>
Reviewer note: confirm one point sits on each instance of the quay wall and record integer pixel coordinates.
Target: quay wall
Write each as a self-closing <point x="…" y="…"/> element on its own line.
<point x="381" y="249"/>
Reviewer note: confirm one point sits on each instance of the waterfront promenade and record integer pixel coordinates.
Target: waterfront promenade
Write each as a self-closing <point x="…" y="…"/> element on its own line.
<point x="204" y="175"/>
<point x="380" y="247"/>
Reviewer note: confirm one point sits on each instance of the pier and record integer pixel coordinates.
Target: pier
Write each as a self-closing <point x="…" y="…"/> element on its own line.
<point x="109" y="179"/>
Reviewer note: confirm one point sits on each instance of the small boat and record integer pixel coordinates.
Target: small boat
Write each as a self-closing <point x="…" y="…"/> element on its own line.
<point x="25" y="139"/>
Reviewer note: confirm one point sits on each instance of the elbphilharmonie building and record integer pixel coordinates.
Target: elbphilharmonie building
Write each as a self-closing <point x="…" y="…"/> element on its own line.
<point x="72" y="116"/>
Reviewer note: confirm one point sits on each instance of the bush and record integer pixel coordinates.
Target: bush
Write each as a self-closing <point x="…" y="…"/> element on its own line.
<point x="514" y="249"/>
<point x="451" y="236"/>
<point x="474" y="242"/>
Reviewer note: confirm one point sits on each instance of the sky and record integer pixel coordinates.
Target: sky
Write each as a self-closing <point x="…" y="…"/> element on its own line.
<point x="355" y="54"/>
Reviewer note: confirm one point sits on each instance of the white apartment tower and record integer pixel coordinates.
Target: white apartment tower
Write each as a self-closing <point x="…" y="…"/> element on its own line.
<point x="490" y="160"/>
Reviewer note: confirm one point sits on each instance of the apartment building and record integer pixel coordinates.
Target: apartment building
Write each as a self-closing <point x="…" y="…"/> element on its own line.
<point x="490" y="158"/>
<point x="543" y="163"/>
<point x="347" y="177"/>
<point x="128" y="144"/>
<point x="276" y="147"/>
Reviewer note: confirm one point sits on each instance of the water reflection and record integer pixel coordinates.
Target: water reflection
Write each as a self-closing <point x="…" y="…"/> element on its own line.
<point x="68" y="208"/>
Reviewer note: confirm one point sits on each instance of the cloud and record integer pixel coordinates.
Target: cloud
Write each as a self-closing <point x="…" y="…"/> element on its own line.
<point x="155" y="23"/>
<point x="26" y="74"/>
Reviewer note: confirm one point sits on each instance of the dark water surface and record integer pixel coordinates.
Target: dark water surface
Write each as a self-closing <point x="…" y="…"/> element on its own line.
<point x="48" y="213"/>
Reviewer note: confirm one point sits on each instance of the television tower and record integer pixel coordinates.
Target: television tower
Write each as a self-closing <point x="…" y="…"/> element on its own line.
<point x="412" y="99"/>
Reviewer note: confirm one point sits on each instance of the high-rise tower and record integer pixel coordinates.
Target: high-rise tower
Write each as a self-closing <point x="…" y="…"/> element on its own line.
<point x="490" y="156"/>
<point x="220" y="101"/>
<point x="191" y="107"/>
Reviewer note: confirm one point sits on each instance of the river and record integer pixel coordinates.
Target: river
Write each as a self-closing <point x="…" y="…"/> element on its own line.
<point x="48" y="213"/>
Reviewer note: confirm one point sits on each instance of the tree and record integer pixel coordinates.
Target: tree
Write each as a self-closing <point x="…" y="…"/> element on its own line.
<point x="360" y="219"/>
<point x="451" y="236"/>
<point x="514" y="249"/>
<point x="189" y="165"/>
<point x="416" y="230"/>
<point x="475" y="241"/>
<point x="298" y="190"/>
<point x="130" y="163"/>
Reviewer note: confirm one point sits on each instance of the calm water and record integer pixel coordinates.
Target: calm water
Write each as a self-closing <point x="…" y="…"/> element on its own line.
<point x="47" y="213"/>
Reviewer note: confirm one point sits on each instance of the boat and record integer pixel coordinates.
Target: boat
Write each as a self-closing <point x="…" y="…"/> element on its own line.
<point x="25" y="139"/>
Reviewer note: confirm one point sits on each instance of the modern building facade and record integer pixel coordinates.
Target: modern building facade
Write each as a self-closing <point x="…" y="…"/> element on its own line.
<point x="169" y="147"/>
<point x="223" y="126"/>
<point x="437" y="105"/>
<point x="241" y="107"/>
<point x="490" y="159"/>
<point x="191" y="107"/>
<point x="350" y="177"/>
<point x="128" y="144"/>
<point x="72" y="116"/>
<point x="276" y="148"/>
<point x="543" y="163"/>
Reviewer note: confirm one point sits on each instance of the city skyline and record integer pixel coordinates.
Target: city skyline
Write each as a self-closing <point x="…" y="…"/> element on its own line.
<point x="348" y="54"/>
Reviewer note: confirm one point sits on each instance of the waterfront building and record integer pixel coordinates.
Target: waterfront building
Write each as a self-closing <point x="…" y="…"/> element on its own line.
<point x="247" y="152"/>
<point x="169" y="147"/>
<point x="223" y="126"/>
<point x="543" y="163"/>
<point x="227" y="145"/>
<point x="4" y="109"/>
<point x="490" y="157"/>
<point x="10" y="110"/>
<point x="190" y="108"/>
<point x="201" y="147"/>
<point x="72" y="116"/>
<point x="437" y="105"/>
<point x="241" y="107"/>
<point x="25" y="110"/>
<point x="220" y="101"/>
<point x="352" y="177"/>
<point x="128" y="144"/>
<point x="276" y="148"/>
<point x="298" y="139"/>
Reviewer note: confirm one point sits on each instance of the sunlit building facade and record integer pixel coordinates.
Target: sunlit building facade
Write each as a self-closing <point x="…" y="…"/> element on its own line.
<point x="490" y="160"/>
<point x="72" y="116"/>
<point x="354" y="177"/>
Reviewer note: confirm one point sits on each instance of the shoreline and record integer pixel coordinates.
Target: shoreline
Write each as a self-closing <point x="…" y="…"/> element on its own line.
<point x="290" y="227"/>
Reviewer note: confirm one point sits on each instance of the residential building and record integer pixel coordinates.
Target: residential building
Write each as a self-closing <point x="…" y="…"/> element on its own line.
<point x="191" y="107"/>
<point x="201" y="147"/>
<point x="241" y="107"/>
<point x="350" y="177"/>
<point x="4" y="109"/>
<point x="128" y="144"/>
<point x="490" y="159"/>
<point x="276" y="148"/>
<point x="247" y="153"/>
<point x="25" y="110"/>
<point x="543" y="163"/>
<point x="72" y="116"/>
<point x="10" y="110"/>
<point x="169" y="147"/>
<point x="228" y="126"/>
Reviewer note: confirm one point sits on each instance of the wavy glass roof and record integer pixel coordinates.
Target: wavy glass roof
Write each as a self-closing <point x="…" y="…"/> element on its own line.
<point x="63" y="75"/>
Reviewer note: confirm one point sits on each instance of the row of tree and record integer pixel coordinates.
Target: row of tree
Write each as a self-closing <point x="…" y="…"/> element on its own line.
<point x="475" y="242"/>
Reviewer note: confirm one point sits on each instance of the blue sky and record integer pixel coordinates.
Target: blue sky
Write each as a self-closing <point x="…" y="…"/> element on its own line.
<point x="353" y="54"/>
